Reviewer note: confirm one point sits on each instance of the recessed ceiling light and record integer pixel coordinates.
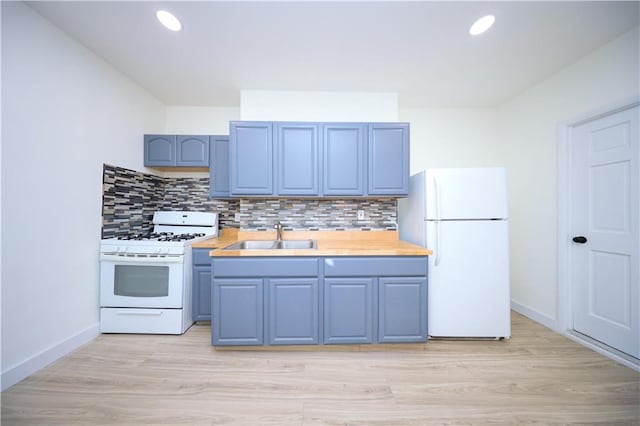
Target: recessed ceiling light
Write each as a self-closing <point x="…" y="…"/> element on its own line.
<point x="168" y="20"/>
<point x="482" y="25"/>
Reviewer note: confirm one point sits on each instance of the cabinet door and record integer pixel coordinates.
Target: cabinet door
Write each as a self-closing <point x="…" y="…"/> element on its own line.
<point x="344" y="153"/>
<point x="202" y="293"/>
<point x="219" y="166"/>
<point x="159" y="150"/>
<point x="251" y="154"/>
<point x="388" y="159"/>
<point x="297" y="158"/>
<point x="402" y="314"/>
<point x="293" y="311"/>
<point x="192" y="151"/>
<point x="348" y="310"/>
<point x="237" y="309"/>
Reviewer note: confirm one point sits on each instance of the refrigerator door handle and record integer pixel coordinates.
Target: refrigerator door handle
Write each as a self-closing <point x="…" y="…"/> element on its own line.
<point x="437" y="240"/>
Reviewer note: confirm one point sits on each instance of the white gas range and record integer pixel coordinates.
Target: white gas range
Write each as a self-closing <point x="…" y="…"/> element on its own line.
<point x="145" y="279"/>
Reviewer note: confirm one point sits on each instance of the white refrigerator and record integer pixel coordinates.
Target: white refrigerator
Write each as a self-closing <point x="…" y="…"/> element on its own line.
<point x="461" y="214"/>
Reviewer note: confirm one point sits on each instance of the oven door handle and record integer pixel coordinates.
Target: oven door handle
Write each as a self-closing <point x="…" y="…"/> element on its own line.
<point x="118" y="258"/>
<point x="143" y="312"/>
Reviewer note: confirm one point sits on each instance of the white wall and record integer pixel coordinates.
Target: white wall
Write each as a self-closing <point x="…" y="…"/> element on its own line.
<point x="278" y="105"/>
<point x="65" y="112"/>
<point x="200" y="120"/>
<point x="528" y="125"/>
<point x="452" y="137"/>
<point x="440" y="137"/>
<point x="0" y="212"/>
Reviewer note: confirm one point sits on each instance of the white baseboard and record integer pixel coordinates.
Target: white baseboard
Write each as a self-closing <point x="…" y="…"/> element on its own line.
<point x="535" y="315"/>
<point x="18" y="372"/>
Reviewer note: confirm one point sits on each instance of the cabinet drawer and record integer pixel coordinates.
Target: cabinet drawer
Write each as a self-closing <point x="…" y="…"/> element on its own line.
<point x="371" y="266"/>
<point x="265" y="267"/>
<point x="201" y="257"/>
<point x="139" y="320"/>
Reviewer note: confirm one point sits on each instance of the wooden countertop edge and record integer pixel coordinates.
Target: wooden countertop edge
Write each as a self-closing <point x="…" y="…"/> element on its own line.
<point x="317" y="253"/>
<point x="330" y="243"/>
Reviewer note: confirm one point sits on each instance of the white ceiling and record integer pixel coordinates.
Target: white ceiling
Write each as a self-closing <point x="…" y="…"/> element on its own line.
<point x="421" y="50"/>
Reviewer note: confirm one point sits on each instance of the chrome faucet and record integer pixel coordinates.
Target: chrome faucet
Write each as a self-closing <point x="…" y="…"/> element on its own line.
<point x="278" y="227"/>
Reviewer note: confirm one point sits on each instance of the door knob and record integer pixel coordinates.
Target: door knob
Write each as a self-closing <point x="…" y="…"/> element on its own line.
<point x="580" y="239"/>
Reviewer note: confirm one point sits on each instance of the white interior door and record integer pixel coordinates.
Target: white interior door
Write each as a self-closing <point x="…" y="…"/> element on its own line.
<point x="605" y="227"/>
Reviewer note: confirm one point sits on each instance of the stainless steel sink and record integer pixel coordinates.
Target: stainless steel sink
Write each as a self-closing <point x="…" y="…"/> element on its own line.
<point x="273" y="245"/>
<point x="253" y="245"/>
<point x="297" y="244"/>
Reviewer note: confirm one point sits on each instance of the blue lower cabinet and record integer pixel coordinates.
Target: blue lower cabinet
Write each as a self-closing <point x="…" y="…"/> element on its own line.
<point x="293" y="311"/>
<point x="201" y="293"/>
<point x="348" y="310"/>
<point x="201" y="284"/>
<point x="308" y="300"/>
<point x="402" y="309"/>
<point x="237" y="316"/>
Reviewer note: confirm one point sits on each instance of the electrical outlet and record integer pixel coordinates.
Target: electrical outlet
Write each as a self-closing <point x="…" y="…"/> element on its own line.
<point x="360" y="214"/>
<point x="237" y="217"/>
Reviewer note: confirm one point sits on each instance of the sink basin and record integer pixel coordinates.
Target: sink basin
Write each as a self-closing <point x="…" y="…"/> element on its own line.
<point x="297" y="244"/>
<point x="253" y="245"/>
<point x="273" y="245"/>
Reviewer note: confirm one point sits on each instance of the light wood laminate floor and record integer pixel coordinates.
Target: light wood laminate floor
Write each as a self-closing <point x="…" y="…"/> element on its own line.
<point x="536" y="377"/>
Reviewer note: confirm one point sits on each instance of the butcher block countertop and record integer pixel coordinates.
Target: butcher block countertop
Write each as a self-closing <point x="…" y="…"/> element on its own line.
<point x="330" y="243"/>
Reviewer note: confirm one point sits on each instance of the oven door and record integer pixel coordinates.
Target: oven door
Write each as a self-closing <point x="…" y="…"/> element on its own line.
<point x="141" y="281"/>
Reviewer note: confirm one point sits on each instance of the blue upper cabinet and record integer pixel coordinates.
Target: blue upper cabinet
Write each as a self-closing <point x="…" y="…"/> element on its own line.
<point x="159" y="150"/>
<point x="192" y="151"/>
<point x="297" y="159"/>
<point x="219" y="166"/>
<point x="176" y="151"/>
<point x="388" y="159"/>
<point x="251" y="156"/>
<point x="344" y="153"/>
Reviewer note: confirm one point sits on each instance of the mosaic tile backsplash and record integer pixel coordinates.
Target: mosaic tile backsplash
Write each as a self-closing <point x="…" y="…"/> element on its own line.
<point x="129" y="199"/>
<point x="318" y="215"/>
